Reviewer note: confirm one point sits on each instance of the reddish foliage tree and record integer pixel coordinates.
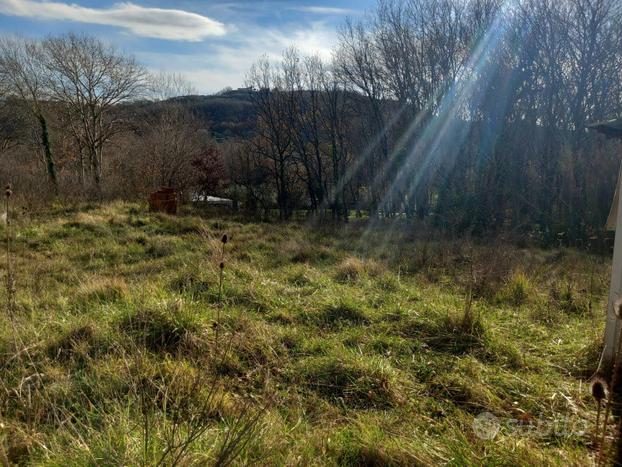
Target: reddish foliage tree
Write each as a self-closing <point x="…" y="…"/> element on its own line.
<point x="211" y="175"/>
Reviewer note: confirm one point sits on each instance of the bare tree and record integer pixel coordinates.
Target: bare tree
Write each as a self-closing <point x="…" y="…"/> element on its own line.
<point x="335" y="120"/>
<point x="451" y="108"/>
<point x="89" y="79"/>
<point x="22" y="75"/>
<point x="274" y="143"/>
<point x="171" y="140"/>
<point x="162" y="86"/>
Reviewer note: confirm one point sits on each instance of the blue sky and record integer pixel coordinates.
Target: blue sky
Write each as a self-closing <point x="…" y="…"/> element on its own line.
<point x="211" y="42"/>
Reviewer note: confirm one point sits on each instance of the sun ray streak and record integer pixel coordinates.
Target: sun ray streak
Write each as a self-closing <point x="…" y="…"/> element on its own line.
<point x="444" y="135"/>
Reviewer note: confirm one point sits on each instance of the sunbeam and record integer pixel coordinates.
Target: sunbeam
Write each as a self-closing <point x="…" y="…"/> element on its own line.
<point x="443" y="136"/>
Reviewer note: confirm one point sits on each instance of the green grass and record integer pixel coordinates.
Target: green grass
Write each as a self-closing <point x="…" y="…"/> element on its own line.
<point x="357" y="351"/>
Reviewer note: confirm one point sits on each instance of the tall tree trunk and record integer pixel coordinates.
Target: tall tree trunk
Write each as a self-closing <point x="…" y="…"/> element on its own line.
<point x="47" y="152"/>
<point x="82" y="174"/>
<point x="95" y="164"/>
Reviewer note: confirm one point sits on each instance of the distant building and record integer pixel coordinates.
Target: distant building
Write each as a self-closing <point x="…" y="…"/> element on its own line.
<point x="212" y="200"/>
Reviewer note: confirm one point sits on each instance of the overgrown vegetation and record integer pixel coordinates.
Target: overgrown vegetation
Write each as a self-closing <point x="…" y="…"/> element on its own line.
<point x="332" y="349"/>
<point x="470" y="114"/>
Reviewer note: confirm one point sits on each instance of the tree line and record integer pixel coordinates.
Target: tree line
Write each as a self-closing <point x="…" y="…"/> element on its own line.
<point x="469" y="114"/>
<point x="81" y="119"/>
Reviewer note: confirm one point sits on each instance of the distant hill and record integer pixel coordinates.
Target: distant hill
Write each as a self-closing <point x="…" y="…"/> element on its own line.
<point x="230" y="114"/>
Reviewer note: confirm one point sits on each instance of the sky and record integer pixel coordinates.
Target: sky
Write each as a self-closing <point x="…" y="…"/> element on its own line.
<point x="212" y="43"/>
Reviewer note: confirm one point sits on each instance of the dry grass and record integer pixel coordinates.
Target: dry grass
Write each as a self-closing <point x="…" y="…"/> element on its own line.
<point x="352" y="269"/>
<point x="362" y="354"/>
<point x="103" y="290"/>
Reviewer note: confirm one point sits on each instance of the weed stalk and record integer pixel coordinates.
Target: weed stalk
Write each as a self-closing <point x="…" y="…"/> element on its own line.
<point x="599" y="391"/>
<point x="10" y="285"/>
<point x="467" y="318"/>
<point x="223" y="240"/>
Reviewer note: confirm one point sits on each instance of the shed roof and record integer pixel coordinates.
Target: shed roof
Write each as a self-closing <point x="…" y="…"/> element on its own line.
<point x="610" y="128"/>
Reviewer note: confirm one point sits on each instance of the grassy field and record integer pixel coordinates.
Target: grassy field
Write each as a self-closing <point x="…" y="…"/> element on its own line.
<point x="328" y="347"/>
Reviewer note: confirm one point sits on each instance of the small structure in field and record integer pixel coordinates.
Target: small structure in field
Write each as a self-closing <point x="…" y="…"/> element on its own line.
<point x="163" y="200"/>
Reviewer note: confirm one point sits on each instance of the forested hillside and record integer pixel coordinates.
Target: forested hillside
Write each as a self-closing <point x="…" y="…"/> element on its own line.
<point x="229" y="115"/>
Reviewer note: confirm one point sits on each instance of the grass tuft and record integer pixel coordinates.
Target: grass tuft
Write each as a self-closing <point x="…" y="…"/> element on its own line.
<point x="349" y="270"/>
<point x="103" y="290"/>
<point x="354" y="449"/>
<point x="342" y="314"/>
<point x="79" y="343"/>
<point x="191" y="283"/>
<point x="352" y="382"/>
<point x="160" y="329"/>
<point x="517" y="290"/>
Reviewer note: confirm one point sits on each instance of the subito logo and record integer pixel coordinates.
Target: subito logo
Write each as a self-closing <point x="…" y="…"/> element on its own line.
<point x="486" y="426"/>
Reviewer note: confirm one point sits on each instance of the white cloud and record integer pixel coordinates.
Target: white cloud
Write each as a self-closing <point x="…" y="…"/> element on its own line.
<point x="325" y="10"/>
<point x="222" y="65"/>
<point x="146" y="22"/>
<point x="317" y="39"/>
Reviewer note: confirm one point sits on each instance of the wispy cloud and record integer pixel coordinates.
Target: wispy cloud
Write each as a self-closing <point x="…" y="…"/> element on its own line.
<point x="325" y="10"/>
<point x="157" y="23"/>
<point x="226" y="64"/>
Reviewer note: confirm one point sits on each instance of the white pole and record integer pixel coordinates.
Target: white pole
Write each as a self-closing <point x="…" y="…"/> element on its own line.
<point x="612" y="327"/>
